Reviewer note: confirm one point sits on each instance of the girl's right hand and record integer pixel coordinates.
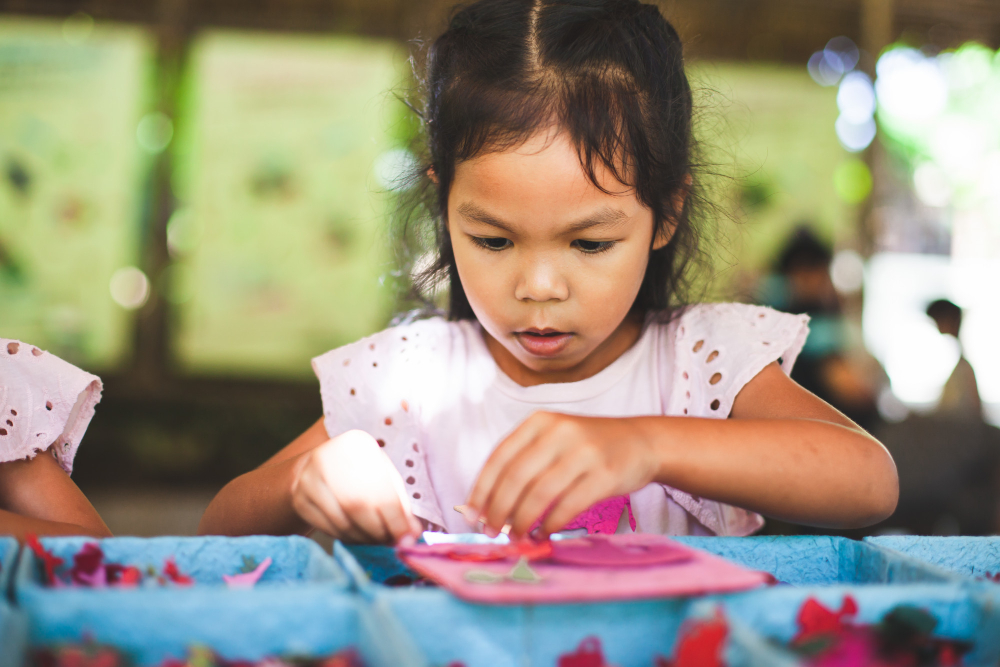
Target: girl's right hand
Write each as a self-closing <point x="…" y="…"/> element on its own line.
<point x="347" y="487"/>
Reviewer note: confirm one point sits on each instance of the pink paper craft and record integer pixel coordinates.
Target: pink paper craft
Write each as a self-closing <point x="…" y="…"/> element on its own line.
<point x="247" y="579"/>
<point x="606" y="553"/>
<point x="678" y="570"/>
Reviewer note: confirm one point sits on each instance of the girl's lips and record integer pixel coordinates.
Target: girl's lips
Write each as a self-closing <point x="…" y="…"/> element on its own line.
<point x="545" y="343"/>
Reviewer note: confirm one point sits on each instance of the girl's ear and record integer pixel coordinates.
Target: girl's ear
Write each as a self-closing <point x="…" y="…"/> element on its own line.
<point x="431" y="174"/>
<point x="670" y="225"/>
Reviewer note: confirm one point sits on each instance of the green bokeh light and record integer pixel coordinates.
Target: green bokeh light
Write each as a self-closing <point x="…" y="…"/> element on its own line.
<point x="853" y="181"/>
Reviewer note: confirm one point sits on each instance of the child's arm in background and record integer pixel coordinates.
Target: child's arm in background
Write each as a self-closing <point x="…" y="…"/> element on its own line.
<point x="784" y="453"/>
<point x="37" y="496"/>
<point x="345" y="486"/>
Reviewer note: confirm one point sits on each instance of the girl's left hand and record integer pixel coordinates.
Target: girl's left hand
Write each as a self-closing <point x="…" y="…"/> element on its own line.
<point x="560" y="465"/>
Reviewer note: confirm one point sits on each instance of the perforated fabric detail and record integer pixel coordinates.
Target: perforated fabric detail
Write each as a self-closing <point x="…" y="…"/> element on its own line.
<point x="718" y="349"/>
<point x="370" y="385"/>
<point x="43" y="401"/>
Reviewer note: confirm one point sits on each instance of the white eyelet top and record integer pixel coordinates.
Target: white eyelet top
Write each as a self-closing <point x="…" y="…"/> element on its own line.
<point x="44" y="401"/>
<point x="433" y="397"/>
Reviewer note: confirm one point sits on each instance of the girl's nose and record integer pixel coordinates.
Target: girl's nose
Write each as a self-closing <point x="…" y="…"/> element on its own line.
<point x="541" y="281"/>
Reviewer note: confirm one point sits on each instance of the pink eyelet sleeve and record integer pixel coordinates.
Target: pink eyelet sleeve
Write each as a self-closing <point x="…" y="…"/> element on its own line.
<point x="376" y="385"/>
<point x="44" y="401"/>
<point x="719" y="348"/>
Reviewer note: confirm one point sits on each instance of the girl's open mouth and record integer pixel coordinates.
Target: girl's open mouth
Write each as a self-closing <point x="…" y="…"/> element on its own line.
<point x="543" y="342"/>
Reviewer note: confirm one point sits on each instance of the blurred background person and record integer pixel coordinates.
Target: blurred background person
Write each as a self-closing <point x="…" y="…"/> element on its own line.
<point x="960" y="396"/>
<point x="826" y="367"/>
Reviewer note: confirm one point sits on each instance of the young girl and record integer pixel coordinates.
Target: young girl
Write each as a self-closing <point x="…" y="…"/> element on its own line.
<point x="45" y="407"/>
<point x="565" y="385"/>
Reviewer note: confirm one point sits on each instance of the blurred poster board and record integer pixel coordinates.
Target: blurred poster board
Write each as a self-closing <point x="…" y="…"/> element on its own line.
<point x="280" y="237"/>
<point x="71" y="96"/>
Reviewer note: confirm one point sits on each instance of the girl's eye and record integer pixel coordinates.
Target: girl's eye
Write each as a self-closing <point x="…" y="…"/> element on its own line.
<point x="492" y="242"/>
<point x="593" y="247"/>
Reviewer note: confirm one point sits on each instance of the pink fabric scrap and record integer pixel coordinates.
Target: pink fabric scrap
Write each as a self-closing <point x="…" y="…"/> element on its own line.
<point x="601" y="519"/>
<point x="247" y="579"/>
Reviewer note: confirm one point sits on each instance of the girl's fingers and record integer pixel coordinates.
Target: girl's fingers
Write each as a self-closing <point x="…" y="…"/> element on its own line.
<point x="396" y="521"/>
<point x="324" y="499"/>
<point x="413" y="526"/>
<point x="544" y="492"/>
<point x="366" y="519"/>
<point x="316" y="516"/>
<point x="510" y="447"/>
<point x="580" y="497"/>
<point x="520" y="474"/>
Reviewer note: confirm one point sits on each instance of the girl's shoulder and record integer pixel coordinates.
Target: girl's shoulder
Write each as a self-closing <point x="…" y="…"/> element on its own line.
<point x="387" y="383"/>
<point x="738" y="323"/>
<point x="718" y="347"/>
<point x="420" y="342"/>
<point x="44" y="401"/>
<point x="398" y="366"/>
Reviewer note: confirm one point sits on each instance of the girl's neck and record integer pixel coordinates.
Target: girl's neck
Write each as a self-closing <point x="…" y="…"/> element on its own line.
<point x="623" y="338"/>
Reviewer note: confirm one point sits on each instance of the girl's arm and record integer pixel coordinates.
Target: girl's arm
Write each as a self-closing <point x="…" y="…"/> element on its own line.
<point x="345" y="486"/>
<point x="784" y="453"/>
<point x="37" y="496"/>
<point x="260" y="501"/>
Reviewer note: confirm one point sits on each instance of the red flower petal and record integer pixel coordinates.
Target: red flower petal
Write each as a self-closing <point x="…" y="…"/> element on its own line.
<point x="701" y="643"/>
<point x="587" y="654"/>
<point x="171" y="572"/>
<point x="49" y="560"/>
<point x="86" y="563"/>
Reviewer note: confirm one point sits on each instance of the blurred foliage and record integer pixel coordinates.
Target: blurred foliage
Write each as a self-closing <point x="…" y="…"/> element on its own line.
<point x="941" y="115"/>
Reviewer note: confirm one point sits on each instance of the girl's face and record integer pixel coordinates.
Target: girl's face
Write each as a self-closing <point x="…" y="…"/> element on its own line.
<point x="550" y="264"/>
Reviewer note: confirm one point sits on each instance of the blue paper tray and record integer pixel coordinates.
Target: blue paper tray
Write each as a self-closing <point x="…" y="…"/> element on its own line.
<point x="372" y="564"/>
<point x="9" y="549"/>
<point x="632" y="634"/>
<point x="295" y="560"/>
<point x="974" y="557"/>
<point x="13" y="636"/>
<point x="813" y="560"/>
<point x="447" y="629"/>
<point x="303" y="608"/>
<point x="962" y="615"/>
<point x="13" y="628"/>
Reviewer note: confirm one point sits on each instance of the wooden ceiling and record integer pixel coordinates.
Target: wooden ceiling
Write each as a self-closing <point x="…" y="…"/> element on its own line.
<point x="771" y="30"/>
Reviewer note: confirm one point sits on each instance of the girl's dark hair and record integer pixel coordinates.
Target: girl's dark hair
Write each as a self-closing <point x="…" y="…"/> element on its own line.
<point x="608" y="72"/>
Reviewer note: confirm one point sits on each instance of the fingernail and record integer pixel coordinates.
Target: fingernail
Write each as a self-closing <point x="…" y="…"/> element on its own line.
<point x="490" y="531"/>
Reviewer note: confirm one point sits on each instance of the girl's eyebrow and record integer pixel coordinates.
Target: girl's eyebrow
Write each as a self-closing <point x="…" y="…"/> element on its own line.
<point x="603" y="216"/>
<point x="606" y="215"/>
<point x="473" y="212"/>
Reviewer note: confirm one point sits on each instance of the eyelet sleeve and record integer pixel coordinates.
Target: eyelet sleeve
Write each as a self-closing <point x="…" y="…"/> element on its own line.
<point x="44" y="401"/>
<point x="373" y="386"/>
<point x="720" y="347"/>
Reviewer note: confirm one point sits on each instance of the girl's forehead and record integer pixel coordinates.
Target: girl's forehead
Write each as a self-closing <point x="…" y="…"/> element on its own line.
<point x="547" y="162"/>
<point x="544" y="192"/>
